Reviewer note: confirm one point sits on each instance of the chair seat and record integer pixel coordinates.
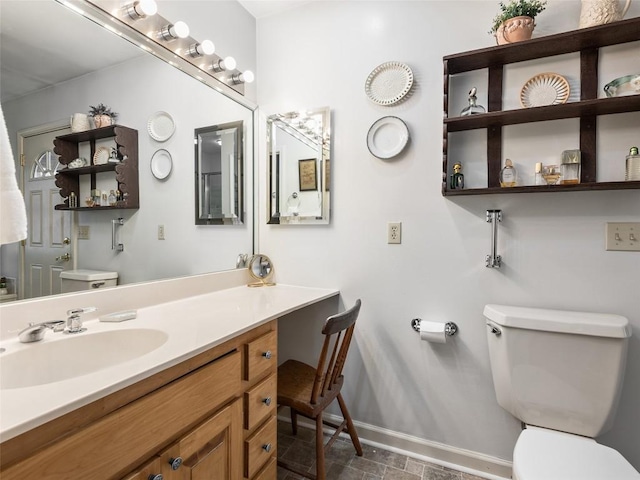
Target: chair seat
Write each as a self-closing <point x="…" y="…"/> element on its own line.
<point x="295" y="383"/>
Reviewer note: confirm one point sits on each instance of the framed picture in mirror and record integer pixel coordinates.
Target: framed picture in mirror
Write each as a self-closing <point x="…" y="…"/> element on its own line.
<point x="307" y="174"/>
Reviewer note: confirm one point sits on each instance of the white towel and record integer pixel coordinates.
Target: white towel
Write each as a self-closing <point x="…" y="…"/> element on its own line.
<point x="13" y="214"/>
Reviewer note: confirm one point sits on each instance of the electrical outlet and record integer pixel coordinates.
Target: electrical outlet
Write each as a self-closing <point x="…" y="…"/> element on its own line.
<point x="160" y="232"/>
<point x="394" y="232"/>
<point x="623" y="236"/>
<point x="83" y="232"/>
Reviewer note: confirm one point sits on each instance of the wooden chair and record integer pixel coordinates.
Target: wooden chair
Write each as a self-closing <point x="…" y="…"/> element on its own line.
<point x="308" y="391"/>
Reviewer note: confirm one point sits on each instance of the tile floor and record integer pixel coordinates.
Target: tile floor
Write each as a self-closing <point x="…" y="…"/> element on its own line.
<point x="342" y="463"/>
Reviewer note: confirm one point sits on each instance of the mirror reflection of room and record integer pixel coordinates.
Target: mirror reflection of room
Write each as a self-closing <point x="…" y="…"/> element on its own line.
<point x="160" y="238"/>
<point x="219" y="174"/>
<point x="299" y="166"/>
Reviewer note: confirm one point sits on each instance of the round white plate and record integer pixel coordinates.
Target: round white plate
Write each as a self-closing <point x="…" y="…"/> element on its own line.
<point x="545" y="89"/>
<point x="161" y="126"/>
<point x="101" y="157"/>
<point x="387" y="137"/>
<point x="389" y="83"/>
<point x="161" y="164"/>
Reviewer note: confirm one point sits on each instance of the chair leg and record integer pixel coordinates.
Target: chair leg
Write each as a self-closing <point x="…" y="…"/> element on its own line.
<point x="320" y="467"/>
<point x="350" y="427"/>
<point x="294" y="421"/>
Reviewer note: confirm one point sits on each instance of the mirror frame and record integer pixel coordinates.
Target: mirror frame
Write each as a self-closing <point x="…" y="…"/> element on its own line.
<point x="238" y="148"/>
<point x="323" y="180"/>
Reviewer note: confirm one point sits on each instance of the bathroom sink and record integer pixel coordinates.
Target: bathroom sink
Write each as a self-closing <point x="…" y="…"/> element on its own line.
<point x="75" y="355"/>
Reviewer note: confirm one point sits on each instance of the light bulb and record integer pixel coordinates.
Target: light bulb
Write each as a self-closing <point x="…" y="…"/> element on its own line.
<point x="207" y="47"/>
<point x="228" y="63"/>
<point x="199" y="49"/>
<point x="141" y="9"/>
<point x="181" y="29"/>
<point x="177" y="30"/>
<point x="245" y="77"/>
<point x="248" y="76"/>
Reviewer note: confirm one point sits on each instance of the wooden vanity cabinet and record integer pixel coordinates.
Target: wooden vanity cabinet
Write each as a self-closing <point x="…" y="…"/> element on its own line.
<point x="212" y="416"/>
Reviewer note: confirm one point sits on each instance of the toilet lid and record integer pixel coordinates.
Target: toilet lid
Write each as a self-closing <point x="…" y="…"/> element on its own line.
<point x="542" y="454"/>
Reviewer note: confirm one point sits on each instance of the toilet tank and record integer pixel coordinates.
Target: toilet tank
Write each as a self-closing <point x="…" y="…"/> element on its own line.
<point x="78" y="280"/>
<point x="558" y="369"/>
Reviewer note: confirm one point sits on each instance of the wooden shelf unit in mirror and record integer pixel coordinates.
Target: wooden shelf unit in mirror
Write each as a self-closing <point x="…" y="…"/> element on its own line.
<point x="126" y="171"/>
<point x="587" y="42"/>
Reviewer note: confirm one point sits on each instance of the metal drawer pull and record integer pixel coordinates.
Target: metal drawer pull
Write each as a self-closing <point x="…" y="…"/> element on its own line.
<point x="267" y="401"/>
<point x="267" y="447"/>
<point x="175" y="463"/>
<point x="155" y="477"/>
<point x="267" y="354"/>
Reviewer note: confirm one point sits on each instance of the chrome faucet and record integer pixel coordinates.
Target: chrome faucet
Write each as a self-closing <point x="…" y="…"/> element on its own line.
<point x="35" y="331"/>
<point x="74" y="323"/>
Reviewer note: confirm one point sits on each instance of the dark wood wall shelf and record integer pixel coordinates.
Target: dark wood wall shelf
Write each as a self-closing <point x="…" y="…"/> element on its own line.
<point x="126" y="171"/>
<point x="587" y="42"/>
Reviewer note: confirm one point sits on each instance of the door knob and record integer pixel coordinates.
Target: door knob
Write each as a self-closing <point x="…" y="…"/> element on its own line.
<point x="65" y="257"/>
<point x="66" y="240"/>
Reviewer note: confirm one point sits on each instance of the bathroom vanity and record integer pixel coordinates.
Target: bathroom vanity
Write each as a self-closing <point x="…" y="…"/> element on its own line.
<point x="200" y="405"/>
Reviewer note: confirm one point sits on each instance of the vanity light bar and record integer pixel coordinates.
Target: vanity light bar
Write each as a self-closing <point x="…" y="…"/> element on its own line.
<point x="141" y="16"/>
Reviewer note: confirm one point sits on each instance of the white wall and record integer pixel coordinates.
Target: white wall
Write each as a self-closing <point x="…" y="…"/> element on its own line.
<point x="552" y="244"/>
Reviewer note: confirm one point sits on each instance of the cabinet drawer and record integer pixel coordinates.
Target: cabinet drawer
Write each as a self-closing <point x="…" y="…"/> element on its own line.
<point x="269" y="472"/>
<point x="261" y="356"/>
<point x="136" y="431"/>
<point x="260" y="447"/>
<point x="260" y="402"/>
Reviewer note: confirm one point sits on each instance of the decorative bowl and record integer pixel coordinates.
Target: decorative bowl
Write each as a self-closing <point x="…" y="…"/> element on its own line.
<point x="623" y="86"/>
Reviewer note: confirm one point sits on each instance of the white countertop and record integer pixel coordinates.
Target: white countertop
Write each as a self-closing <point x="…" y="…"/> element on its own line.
<point x="193" y="325"/>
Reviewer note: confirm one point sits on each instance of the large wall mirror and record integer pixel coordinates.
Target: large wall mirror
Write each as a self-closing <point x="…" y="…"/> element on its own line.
<point x="97" y="66"/>
<point x="219" y="174"/>
<point x="299" y="167"/>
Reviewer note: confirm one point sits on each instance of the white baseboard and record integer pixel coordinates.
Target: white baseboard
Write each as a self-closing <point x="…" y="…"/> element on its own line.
<point x="467" y="461"/>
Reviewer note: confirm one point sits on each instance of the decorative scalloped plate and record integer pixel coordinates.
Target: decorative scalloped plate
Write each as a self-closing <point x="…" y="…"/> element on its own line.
<point x="545" y="89"/>
<point x="161" y="126"/>
<point x="389" y="83"/>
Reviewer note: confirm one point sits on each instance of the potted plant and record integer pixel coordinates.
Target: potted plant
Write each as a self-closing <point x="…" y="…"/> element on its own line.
<point x="102" y="115"/>
<point x="515" y="21"/>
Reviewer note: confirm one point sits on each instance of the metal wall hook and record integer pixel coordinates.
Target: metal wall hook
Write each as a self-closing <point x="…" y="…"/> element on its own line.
<point x="494" y="260"/>
<point x="450" y="328"/>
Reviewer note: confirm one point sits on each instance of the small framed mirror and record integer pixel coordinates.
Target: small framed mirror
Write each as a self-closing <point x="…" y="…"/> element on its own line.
<point x="261" y="269"/>
<point x="219" y="174"/>
<point x="299" y="167"/>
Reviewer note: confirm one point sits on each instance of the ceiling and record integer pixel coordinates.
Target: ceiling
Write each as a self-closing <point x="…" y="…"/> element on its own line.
<point x="264" y="8"/>
<point x="43" y="43"/>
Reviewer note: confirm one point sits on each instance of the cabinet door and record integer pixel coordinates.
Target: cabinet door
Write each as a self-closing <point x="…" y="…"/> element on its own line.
<point x="212" y="450"/>
<point x="150" y="471"/>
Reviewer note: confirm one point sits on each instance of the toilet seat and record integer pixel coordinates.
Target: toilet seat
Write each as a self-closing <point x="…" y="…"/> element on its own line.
<point x="542" y="454"/>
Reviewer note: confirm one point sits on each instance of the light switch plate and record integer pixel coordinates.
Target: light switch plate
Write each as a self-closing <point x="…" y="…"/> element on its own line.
<point x="83" y="232"/>
<point x="623" y="236"/>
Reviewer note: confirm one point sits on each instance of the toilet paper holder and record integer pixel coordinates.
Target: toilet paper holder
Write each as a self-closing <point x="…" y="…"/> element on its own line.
<point x="450" y="328"/>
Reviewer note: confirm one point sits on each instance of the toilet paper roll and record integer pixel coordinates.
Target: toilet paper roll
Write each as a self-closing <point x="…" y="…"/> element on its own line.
<point x="433" y="332"/>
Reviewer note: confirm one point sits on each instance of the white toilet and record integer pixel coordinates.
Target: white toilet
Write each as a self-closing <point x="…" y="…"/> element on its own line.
<point x="561" y="373"/>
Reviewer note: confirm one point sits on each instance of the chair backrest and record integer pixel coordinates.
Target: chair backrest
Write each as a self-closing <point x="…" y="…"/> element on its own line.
<point x="338" y="330"/>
